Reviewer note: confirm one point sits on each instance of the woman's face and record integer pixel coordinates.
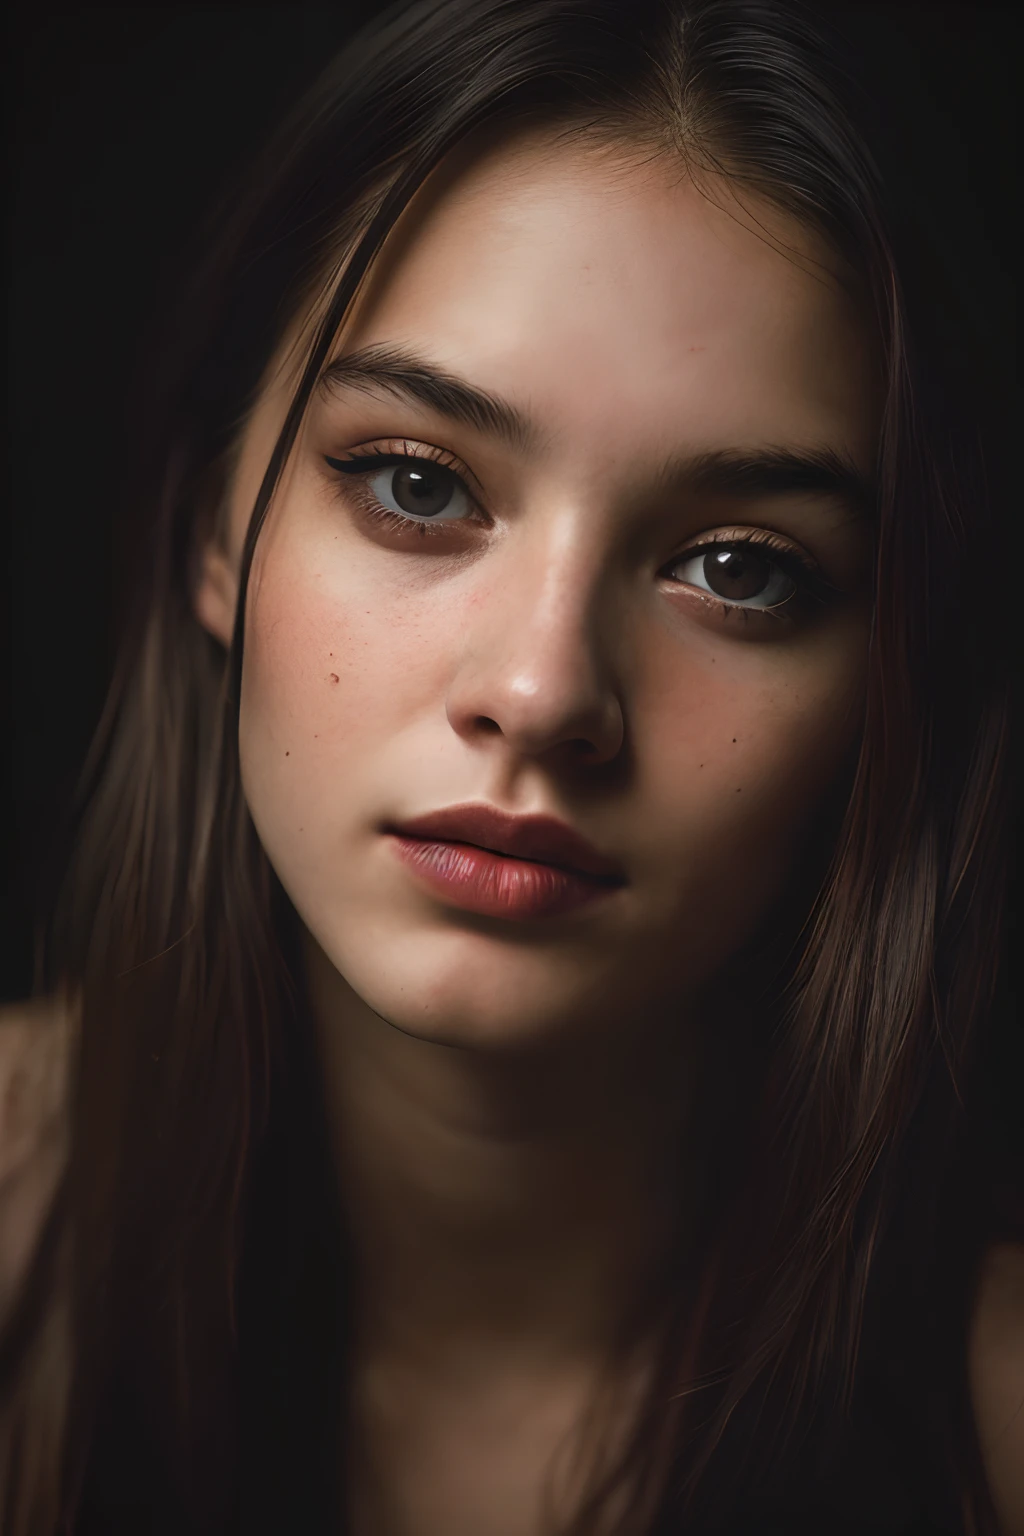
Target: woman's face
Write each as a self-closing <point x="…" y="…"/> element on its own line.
<point x="629" y="591"/>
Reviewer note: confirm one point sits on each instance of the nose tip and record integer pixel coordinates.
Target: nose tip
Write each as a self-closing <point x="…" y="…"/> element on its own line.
<point x="540" y="715"/>
<point x="534" y="669"/>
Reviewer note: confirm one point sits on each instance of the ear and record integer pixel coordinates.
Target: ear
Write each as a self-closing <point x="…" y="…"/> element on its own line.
<point x="216" y="594"/>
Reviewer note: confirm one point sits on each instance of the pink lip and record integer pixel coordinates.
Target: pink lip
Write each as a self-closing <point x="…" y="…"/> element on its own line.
<point x="498" y="865"/>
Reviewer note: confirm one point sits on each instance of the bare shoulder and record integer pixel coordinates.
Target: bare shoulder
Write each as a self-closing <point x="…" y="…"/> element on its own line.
<point x="996" y="1364"/>
<point x="35" y="1050"/>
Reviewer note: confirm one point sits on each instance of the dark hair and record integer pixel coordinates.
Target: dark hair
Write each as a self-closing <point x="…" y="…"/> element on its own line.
<point x="802" y="1342"/>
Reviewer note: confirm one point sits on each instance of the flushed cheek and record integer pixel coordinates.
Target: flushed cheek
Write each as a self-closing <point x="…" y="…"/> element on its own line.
<point x="331" y="679"/>
<point x="734" y="769"/>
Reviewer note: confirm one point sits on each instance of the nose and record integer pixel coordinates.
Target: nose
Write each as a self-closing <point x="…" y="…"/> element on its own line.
<point x="534" y="665"/>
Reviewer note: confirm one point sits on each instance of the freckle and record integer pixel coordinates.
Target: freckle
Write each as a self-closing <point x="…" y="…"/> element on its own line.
<point x="287" y="754"/>
<point x="734" y="739"/>
<point x="334" y="677"/>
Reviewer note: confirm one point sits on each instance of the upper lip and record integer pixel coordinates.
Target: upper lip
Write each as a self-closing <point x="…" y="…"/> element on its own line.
<point x="543" y="839"/>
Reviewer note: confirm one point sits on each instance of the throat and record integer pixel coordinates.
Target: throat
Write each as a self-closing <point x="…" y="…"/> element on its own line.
<point x="484" y="1454"/>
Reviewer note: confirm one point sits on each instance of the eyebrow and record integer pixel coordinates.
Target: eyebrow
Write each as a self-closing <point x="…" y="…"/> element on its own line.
<point x="411" y="378"/>
<point x="754" y="474"/>
<point x="747" y="474"/>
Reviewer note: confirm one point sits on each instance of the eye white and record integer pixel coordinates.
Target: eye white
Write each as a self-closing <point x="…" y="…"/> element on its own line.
<point x="690" y="570"/>
<point x="400" y="486"/>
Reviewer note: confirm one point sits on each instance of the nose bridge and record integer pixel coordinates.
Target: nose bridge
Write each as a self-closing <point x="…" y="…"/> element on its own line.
<point x="558" y="587"/>
<point x="535" y="664"/>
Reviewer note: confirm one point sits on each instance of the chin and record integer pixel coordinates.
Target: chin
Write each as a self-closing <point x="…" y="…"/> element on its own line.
<point x="474" y="991"/>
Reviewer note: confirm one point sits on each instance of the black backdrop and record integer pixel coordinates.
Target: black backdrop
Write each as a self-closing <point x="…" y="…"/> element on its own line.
<point x="126" y="128"/>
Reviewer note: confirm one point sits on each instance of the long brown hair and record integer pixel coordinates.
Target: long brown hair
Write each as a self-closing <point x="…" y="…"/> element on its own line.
<point x="172" y="939"/>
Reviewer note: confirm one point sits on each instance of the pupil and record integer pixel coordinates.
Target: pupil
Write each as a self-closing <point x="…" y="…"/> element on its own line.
<point x="737" y="573"/>
<point x="426" y="492"/>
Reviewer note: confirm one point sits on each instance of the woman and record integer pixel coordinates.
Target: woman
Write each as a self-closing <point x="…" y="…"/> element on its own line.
<point x="499" y="1064"/>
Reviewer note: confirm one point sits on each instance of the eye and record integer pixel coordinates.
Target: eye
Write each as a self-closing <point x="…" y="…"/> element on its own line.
<point x="738" y="572"/>
<point x="413" y="488"/>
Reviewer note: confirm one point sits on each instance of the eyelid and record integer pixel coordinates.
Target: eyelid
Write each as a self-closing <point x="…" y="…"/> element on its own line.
<point x="763" y="538"/>
<point x="362" y="466"/>
<point x="800" y="562"/>
<point x="802" y="566"/>
<point x="409" y="448"/>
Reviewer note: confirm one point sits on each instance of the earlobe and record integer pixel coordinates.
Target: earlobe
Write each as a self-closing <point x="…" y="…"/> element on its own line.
<point x="216" y="595"/>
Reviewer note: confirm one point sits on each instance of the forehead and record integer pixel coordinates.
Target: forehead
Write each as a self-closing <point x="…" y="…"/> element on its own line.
<point x="602" y="291"/>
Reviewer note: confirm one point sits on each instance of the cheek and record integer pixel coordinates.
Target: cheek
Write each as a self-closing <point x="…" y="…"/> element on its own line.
<point x="329" y="677"/>
<point x="739" y="757"/>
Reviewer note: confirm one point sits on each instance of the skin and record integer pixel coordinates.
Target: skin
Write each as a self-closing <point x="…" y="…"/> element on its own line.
<point x="510" y="1099"/>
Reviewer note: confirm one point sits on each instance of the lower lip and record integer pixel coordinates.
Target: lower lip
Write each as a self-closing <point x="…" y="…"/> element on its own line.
<point x="496" y="886"/>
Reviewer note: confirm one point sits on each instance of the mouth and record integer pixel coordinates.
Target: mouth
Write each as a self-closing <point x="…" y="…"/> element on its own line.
<point x="487" y="861"/>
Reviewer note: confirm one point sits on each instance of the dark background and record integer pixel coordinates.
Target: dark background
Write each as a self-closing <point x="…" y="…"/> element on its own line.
<point x="126" y="127"/>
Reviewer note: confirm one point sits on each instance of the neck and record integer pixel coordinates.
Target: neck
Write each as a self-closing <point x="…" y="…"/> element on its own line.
<point x="501" y="1206"/>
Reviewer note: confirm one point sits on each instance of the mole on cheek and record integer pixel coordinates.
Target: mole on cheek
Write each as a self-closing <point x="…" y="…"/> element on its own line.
<point x="334" y="677"/>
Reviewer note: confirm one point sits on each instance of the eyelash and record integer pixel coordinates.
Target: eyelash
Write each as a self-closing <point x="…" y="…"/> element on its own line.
<point x="372" y="460"/>
<point x="811" y="585"/>
<point x="812" y="588"/>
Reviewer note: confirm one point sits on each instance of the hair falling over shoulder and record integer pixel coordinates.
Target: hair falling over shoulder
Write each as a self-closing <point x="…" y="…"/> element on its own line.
<point x="814" y="1331"/>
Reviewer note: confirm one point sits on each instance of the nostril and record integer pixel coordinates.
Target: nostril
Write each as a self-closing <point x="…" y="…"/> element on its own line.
<point x="489" y="726"/>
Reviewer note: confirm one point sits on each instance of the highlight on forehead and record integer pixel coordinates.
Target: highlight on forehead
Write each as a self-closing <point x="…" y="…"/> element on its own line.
<point x="653" y="136"/>
<point x="661" y="137"/>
